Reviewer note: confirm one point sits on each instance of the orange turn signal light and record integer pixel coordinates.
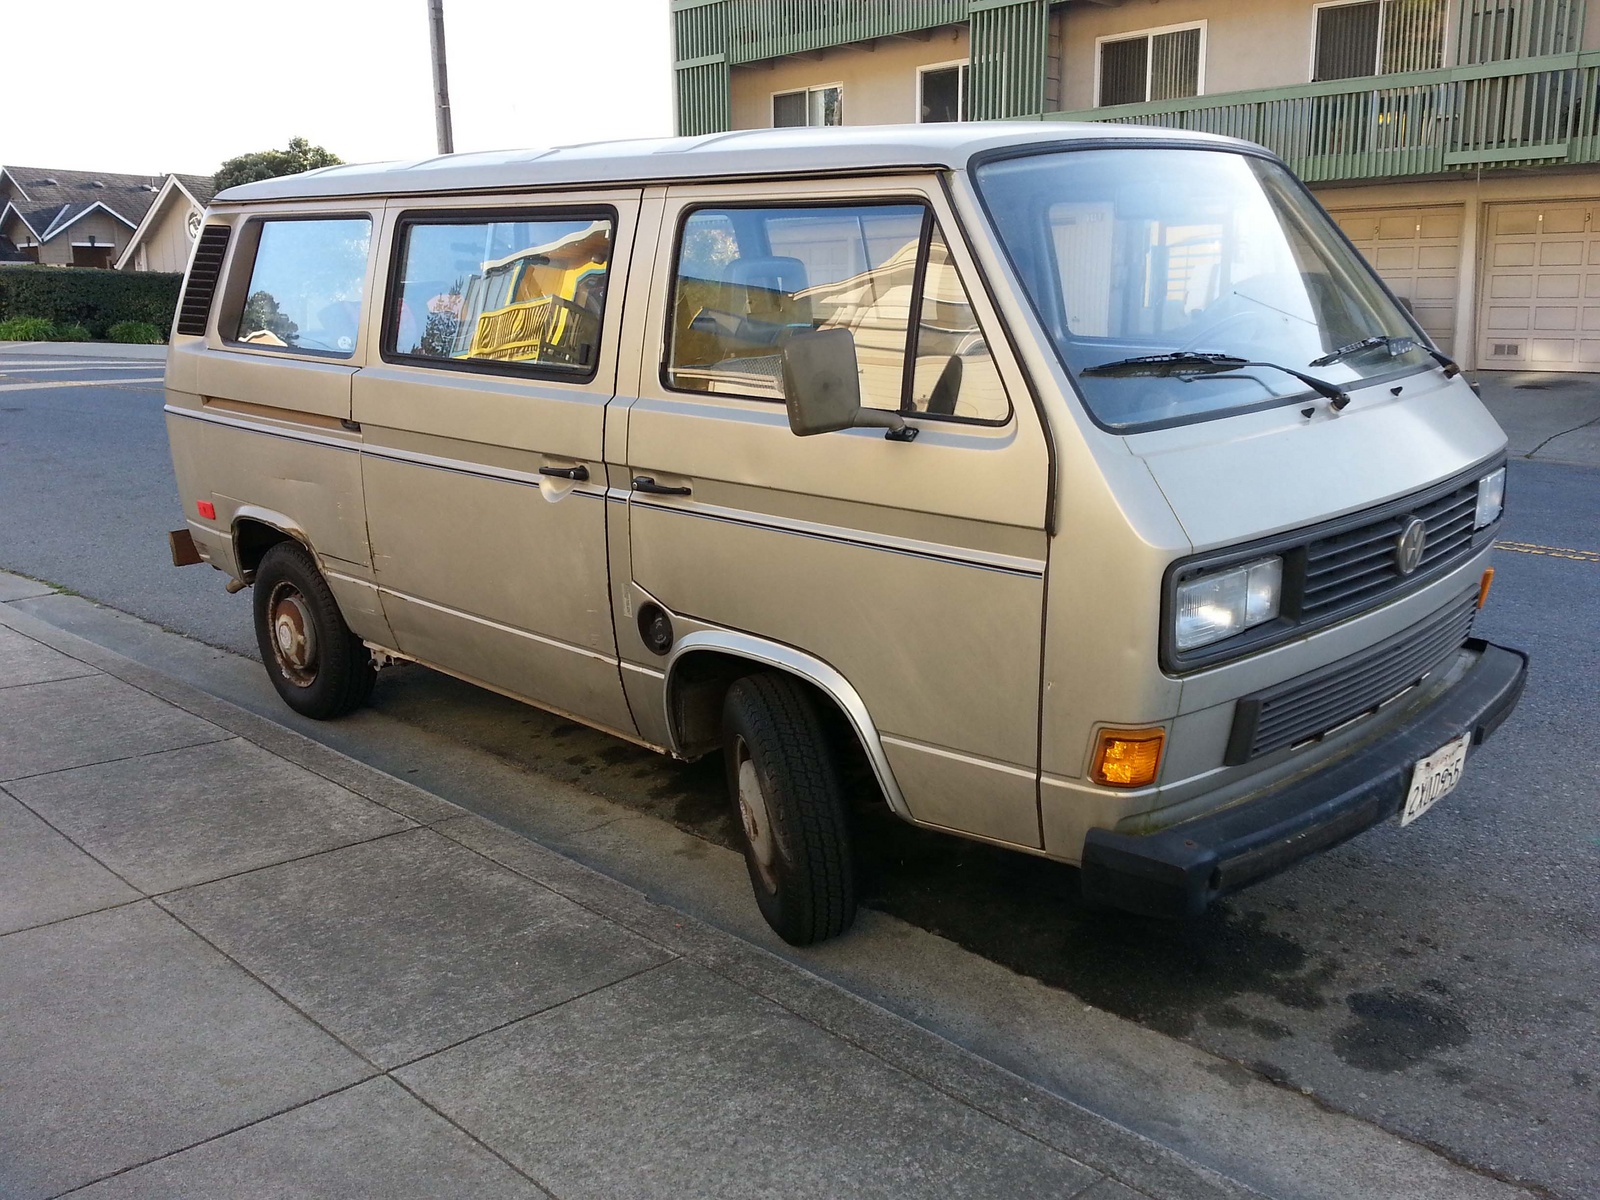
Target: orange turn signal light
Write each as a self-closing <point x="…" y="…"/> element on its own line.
<point x="1127" y="757"/>
<point x="1483" y="587"/>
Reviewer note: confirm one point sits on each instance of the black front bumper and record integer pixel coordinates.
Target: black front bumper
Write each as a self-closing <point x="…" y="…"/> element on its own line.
<point x="1179" y="870"/>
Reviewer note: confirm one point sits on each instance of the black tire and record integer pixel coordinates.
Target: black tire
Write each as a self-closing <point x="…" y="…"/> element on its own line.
<point x="801" y="863"/>
<point x="322" y="670"/>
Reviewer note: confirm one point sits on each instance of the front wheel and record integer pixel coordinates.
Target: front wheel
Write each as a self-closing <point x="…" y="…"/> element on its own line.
<point x="785" y="783"/>
<point x="319" y="667"/>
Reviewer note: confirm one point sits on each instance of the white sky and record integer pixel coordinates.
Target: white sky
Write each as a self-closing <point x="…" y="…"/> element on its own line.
<point x="180" y="85"/>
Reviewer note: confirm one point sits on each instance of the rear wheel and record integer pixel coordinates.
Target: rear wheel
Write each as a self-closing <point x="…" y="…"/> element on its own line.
<point x="319" y="667"/>
<point x="784" y="780"/>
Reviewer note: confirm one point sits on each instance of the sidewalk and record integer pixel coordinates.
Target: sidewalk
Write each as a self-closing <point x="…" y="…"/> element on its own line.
<point x="231" y="957"/>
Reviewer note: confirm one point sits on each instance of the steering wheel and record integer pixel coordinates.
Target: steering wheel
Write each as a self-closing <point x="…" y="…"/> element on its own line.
<point x="1208" y="331"/>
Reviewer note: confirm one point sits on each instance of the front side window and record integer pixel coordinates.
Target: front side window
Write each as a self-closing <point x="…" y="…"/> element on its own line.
<point x="1378" y="37"/>
<point x="306" y="285"/>
<point x="1159" y="65"/>
<point x="808" y="106"/>
<point x="944" y="93"/>
<point x="1237" y="262"/>
<point x="748" y="279"/>
<point x="526" y="290"/>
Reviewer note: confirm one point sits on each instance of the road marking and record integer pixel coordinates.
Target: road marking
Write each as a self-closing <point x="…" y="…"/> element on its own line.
<point x="60" y="383"/>
<point x="22" y="368"/>
<point x="1591" y="556"/>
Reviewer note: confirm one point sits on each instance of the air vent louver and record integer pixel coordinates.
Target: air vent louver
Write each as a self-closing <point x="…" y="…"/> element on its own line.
<point x="195" y="309"/>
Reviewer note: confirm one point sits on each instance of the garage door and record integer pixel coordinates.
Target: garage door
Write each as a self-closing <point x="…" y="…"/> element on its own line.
<point x="1541" y="305"/>
<point x="1418" y="253"/>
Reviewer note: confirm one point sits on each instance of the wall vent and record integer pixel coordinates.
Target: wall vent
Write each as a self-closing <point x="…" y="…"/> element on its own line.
<point x="195" y="309"/>
<point x="1506" y="350"/>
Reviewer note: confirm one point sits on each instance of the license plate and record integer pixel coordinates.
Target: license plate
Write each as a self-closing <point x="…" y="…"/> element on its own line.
<point x="1435" y="777"/>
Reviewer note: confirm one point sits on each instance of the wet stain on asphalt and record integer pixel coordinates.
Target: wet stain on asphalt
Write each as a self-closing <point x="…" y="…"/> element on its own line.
<point x="1394" y="1030"/>
<point x="1027" y="914"/>
<point x="1231" y="1016"/>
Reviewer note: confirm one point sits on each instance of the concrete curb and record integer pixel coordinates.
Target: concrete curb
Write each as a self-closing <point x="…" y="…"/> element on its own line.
<point x="1113" y="1150"/>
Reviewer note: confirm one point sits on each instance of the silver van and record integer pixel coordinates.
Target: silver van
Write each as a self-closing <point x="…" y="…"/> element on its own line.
<point x="1083" y="484"/>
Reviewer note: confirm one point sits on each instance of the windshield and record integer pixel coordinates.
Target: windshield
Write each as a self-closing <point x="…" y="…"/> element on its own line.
<point x="1132" y="252"/>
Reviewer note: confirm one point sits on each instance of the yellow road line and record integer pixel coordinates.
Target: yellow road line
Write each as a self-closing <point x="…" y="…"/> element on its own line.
<point x="1592" y="556"/>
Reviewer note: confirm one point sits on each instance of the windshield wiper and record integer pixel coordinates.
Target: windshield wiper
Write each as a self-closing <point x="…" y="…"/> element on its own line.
<point x="1198" y="362"/>
<point x="1396" y="346"/>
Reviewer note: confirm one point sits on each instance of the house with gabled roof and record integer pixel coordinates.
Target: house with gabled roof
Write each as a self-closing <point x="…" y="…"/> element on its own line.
<point x="165" y="236"/>
<point x="74" y="218"/>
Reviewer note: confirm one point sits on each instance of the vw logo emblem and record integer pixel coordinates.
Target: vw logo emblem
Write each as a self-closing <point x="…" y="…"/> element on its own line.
<point x="1409" y="545"/>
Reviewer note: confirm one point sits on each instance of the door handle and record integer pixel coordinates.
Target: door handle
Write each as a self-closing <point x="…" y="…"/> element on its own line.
<point x="577" y="474"/>
<point x="643" y="483"/>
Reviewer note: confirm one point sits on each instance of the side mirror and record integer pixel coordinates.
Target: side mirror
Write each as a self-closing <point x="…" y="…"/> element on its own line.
<point x="822" y="387"/>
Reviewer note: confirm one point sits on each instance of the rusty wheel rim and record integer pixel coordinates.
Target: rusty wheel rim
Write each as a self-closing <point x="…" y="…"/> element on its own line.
<point x="294" y="635"/>
<point x="756" y="817"/>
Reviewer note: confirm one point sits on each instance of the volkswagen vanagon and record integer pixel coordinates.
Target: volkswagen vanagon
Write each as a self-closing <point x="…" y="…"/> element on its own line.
<point x="1083" y="483"/>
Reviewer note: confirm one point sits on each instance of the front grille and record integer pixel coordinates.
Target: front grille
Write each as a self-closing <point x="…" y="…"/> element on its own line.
<point x="195" y="308"/>
<point x="1350" y="568"/>
<point x="1341" y="568"/>
<point x="1312" y="705"/>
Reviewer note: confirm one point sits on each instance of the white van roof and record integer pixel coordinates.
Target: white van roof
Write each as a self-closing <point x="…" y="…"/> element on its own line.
<point x="718" y="155"/>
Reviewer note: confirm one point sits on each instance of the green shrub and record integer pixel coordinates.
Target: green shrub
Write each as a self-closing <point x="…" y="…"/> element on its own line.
<point x="27" y="329"/>
<point x="93" y="298"/>
<point x="135" y="333"/>
<point x="70" y="333"/>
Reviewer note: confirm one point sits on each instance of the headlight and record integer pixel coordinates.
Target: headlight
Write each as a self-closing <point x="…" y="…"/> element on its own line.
<point x="1491" y="498"/>
<point x="1217" y="606"/>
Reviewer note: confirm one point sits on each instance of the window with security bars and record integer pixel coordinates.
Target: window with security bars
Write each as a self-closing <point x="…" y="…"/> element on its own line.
<point x="1379" y="37"/>
<point x="1159" y="65"/>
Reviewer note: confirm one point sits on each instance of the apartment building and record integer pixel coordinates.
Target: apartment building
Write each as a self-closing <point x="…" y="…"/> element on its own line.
<point x="1457" y="142"/>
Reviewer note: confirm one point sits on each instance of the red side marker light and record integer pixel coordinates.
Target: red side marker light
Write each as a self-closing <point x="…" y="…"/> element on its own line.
<point x="206" y="509"/>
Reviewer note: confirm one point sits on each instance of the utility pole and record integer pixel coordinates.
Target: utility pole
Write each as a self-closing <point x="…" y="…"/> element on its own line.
<point x="441" y="84"/>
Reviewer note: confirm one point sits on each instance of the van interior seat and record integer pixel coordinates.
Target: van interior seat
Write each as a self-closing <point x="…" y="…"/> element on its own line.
<point x="768" y="289"/>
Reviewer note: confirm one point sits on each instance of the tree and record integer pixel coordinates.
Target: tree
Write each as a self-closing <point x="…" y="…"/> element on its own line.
<point x="265" y="322"/>
<point x="269" y="164"/>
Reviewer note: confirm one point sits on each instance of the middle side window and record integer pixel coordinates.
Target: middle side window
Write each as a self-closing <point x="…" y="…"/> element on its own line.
<point x="528" y="290"/>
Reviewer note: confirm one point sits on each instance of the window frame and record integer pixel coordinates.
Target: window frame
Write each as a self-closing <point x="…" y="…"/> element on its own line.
<point x="963" y="67"/>
<point x="1377" y="50"/>
<point x="1316" y="40"/>
<point x="930" y="222"/>
<point x="805" y="90"/>
<point x="398" y="244"/>
<point x="234" y="292"/>
<point x="1149" y="58"/>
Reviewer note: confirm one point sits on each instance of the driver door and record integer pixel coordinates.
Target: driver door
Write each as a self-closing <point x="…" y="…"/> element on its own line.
<point x="915" y="569"/>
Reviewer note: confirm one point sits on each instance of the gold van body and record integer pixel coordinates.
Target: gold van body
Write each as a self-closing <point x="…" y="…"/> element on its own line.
<point x="623" y="530"/>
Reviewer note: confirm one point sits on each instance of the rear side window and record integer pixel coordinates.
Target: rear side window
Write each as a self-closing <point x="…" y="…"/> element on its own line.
<point x="748" y="279"/>
<point x="523" y="290"/>
<point x="306" y="286"/>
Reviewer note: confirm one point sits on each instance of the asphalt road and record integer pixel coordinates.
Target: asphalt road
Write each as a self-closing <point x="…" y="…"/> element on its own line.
<point x="1442" y="980"/>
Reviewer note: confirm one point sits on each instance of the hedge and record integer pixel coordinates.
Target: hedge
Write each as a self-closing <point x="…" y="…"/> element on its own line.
<point x="90" y="297"/>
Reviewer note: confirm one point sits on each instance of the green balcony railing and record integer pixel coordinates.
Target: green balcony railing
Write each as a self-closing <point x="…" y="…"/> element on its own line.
<point x="1528" y="112"/>
<point x="759" y="29"/>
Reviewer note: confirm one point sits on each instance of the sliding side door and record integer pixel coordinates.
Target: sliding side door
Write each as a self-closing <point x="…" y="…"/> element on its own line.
<point x="483" y="415"/>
